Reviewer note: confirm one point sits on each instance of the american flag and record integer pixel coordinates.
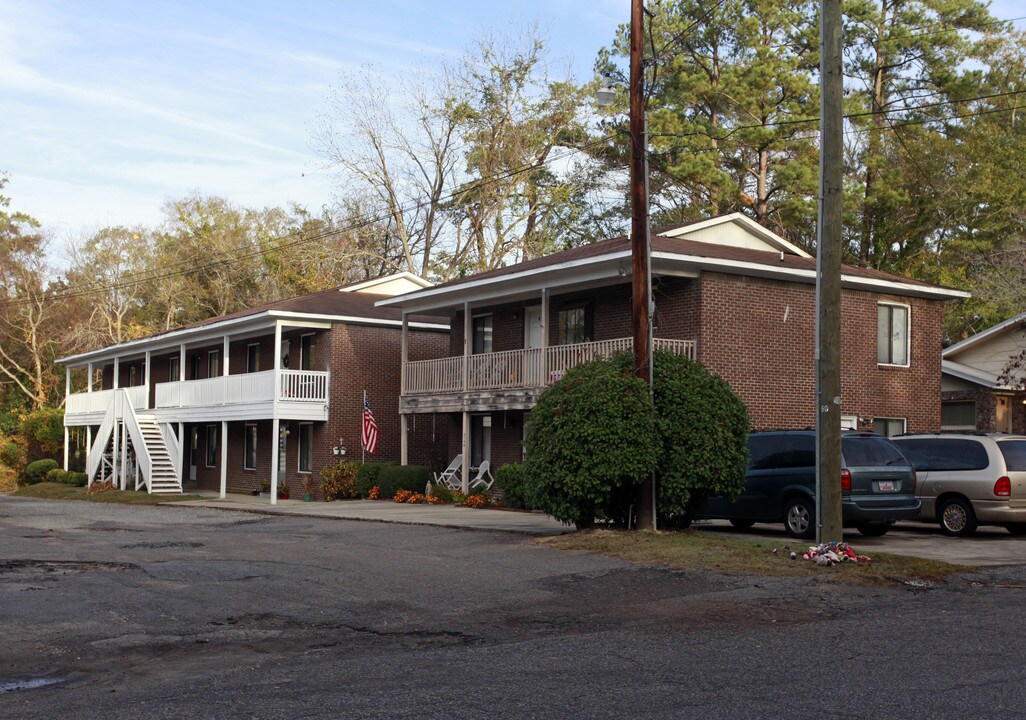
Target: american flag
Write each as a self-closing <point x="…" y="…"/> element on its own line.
<point x="369" y="437"/>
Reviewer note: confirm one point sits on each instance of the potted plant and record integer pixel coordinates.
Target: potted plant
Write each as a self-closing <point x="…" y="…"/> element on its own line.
<point x="308" y="487"/>
<point x="283" y="491"/>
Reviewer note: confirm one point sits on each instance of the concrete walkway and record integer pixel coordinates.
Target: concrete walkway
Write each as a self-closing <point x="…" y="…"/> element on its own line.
<point x="451" y="516"/>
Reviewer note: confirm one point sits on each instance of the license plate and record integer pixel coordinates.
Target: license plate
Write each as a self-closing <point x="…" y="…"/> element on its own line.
<point x="887" y="486"/>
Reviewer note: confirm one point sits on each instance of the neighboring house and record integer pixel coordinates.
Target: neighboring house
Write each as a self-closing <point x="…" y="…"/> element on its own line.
<point x="270" y="394"/>
<point x="977" y="390"/>
<point x="727" y="292"/>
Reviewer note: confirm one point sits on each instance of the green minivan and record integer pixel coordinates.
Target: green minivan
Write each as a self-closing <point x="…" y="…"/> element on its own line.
<point x="878" y="484"/>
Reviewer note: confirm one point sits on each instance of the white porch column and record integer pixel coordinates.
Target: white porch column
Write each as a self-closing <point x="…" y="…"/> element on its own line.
<point x="545" y="334"/>
<point x="146" y="377"/>
<point x="65" y="448"/>
<point x="465" y="468"/>
<point x="124" y="455"/>
<point x="404" y="353"/>
<point x="181" y="425"/>
<point x="89" y="383"/>
<point x="404" y="445"/>
<point x="224" y="356"/>
<point x="224" y="458"/>
<point x="181" y="362"/>
<point x="67" y="392"/>
<point x="275" y="431"/>
<point x="117" y="371"/>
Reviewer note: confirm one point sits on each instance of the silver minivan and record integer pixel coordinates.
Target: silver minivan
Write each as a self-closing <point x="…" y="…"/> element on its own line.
<point x="966" y="480"/>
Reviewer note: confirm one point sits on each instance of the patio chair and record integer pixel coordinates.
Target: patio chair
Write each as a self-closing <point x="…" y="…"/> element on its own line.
<point x="483" y="477"/>
<point x="451" y="475"/>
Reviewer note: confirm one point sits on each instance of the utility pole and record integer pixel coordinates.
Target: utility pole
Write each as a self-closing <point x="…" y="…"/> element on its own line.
<point x="641" y="277"/>
<point x="828" y="277"/>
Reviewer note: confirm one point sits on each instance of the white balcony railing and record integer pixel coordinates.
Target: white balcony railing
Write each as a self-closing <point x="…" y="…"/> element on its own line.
<point x="307" y="386"/>
<point x="514" y="369"/>
<point x="100" y="400"/>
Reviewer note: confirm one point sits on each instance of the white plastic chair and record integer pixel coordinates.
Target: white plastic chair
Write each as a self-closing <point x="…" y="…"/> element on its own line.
<point x="484" y="477"/>
<point x="450" y="476"/>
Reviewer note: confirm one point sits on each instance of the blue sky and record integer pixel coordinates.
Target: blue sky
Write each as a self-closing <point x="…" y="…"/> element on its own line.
<point x="111" y="108"/>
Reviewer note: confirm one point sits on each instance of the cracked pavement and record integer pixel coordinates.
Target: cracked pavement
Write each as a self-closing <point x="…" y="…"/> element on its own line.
<point x="111" y="611"/>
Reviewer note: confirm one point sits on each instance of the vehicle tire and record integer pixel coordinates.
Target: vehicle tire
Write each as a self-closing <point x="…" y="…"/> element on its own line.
<point x="800" y="518"/>
<point x="1016" y="528"/>
<point x="741" y="524"/>
<point x="873" y="529"/>
<point x="957" y="518"/>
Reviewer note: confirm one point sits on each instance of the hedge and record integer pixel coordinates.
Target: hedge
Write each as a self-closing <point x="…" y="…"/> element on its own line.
<point x="393" y="478"/>
<point x="67" y="477"/>
<point x="367" y="476"/>
<point x="516" y="491"/>
<point x="35" y="472"/>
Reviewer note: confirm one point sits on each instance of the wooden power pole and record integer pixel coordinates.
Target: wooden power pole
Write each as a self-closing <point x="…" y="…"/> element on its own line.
<point x="828" y="277"/>
<point x="641" y="277"/>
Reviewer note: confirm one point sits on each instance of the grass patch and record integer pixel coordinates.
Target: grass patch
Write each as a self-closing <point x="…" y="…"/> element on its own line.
<point x="693" y="550"/>
<point x="59" y="491"/>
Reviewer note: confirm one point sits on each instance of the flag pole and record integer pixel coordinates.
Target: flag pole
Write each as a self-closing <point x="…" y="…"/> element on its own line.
<point x="363" y="445"/>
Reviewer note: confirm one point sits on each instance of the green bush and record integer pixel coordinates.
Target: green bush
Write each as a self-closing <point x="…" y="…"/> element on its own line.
<point x="35" y="472"/>
<point x="367" y="476"/>
<point x="11" y="454"/>
<point x="591" y="440"/>
<point x="338" y="481"/>
<point x="443" y="492"/>
<point x="516" y="492"/>
<point x="43" y="431"/>
<point x="393" y="478"/>
<point x="702" y="427"/>
<point x="67" y="477"/>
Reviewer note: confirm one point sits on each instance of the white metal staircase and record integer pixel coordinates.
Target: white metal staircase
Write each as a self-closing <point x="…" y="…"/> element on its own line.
<point x="155" y="467"/>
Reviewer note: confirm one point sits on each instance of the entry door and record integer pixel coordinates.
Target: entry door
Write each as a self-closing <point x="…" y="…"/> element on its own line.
<point x="533" y="365"/>
<point x="193" y="452"/>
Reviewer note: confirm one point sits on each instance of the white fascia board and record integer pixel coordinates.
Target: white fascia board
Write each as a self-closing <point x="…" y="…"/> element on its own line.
<point x="797" y="274"/>
<point x="983" y="335"/>
<point x="750" y="225"/>
<point x="970" y="374"/>
<point x="204" y="333"/>
<point x="481" y="291"/>
<point x="374" y="282"/>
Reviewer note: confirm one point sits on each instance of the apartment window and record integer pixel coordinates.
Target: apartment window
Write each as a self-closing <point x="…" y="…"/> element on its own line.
<point x="194" y="366"/>
<point x="480" y="439"/>
<point x="482" y="334"/>
<point x="211" y="449"/>
<point x="958" y="415"/>
<point x="250" y="450"/>
<point x="253" y="358"/>
<point x="889" y="427"/>
<point x="892" y="333"/>
<point x="133" y="376"/>
<point x="306" y="350"/>
<point x="213" y="363"/>
<point x="574" y="325"/>
<point x="305" y="447"/>
<point x="174" y="370"/>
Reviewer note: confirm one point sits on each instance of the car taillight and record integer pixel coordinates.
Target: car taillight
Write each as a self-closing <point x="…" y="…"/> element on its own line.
<point x="846" y="479"/>
<point x="1003" y="487"/>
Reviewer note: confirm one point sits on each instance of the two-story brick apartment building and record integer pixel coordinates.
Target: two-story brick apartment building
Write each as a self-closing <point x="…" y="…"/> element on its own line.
<point x="727" y="292"/>
<point x="220" y="403"/>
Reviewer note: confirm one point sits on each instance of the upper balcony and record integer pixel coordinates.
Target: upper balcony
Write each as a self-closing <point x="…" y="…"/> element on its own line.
<point x="443" y="384"/>
<point x="293" y="394"/>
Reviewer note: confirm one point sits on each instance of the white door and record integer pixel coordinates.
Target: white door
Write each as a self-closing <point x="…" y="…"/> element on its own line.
<point x="533" y="329"/>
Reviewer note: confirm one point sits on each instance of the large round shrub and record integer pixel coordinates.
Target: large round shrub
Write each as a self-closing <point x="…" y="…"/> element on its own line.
<point x="703" y="435"/>
<point x="590" y="442"/>
<point x="35" y="472"/>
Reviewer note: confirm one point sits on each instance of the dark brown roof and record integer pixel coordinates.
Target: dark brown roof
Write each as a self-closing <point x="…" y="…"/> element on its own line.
<point x="681" y="246"/>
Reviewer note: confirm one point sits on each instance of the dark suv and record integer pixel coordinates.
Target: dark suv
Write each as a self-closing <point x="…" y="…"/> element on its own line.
<point x="878" y="485"/>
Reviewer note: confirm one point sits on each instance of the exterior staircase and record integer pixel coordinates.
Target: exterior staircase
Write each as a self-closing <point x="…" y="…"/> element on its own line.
<point x="163" y="478"/>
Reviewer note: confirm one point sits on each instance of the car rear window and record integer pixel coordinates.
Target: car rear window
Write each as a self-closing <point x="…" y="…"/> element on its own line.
<point x="861" y="451"/>
<point x="944" y="453"/>
<point x="1015" y="454"/>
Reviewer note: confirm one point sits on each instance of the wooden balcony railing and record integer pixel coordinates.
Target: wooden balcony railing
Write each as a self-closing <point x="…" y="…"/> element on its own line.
<point x="515" y="369"/>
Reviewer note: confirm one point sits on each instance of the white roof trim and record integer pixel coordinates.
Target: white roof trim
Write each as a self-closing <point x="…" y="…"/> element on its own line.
<point x="256" y="319"/>
<point x="745" y="222"/>
<point x="374" y="282"/>
<point x="982" y="335"/>
<point x="970" y="374"/>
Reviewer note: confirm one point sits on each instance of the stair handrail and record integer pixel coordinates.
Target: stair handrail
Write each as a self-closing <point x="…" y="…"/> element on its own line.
<point x="174" y="447"/>
<point x="100" y="440"/>
<point x="142" y="452"/>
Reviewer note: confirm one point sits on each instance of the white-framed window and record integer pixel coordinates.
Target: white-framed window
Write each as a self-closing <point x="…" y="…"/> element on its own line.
<point x="253" y="358"/>
<point x="213" y="363"/>
<point x="481" y="334"/>
<point x="892" y="334"/>
<point x="305" y="447"/>
<point x="211" y="449"/>
<point x="174" y="370"/>
<point x="888" y="427"/>
<point x="133" y="376"/>
<point x="958" y="415"/>
<point x="250" y="449"/>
